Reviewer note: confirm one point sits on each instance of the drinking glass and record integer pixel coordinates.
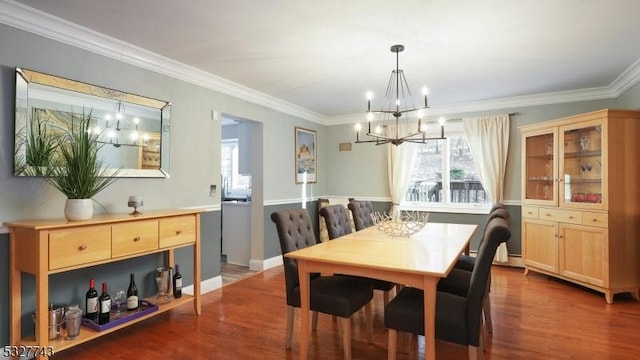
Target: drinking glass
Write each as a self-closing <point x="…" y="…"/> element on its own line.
<point x="121" y="303"/>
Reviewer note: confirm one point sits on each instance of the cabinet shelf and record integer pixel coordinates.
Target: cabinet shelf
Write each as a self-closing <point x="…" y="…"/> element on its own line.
<point x="88" y="334"/>
<point x="583" y="181"/>
<point x="581" y="154"/>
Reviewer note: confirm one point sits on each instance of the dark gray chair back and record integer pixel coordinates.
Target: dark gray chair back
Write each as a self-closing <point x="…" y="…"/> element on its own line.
<point x="337" y="220"/>
<point x="361" y="211"/>
<point x="295" y="231"/>
<point x="496" y="233"/>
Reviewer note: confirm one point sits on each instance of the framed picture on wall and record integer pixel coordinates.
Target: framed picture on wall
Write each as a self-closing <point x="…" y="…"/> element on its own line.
<point x="305" y="156"/>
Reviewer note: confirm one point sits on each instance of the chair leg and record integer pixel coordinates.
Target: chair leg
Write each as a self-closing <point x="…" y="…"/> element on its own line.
<point x="290" y="315"/>
<point x="368" y="313"/>
<point x="386" y="296"/>
<point x="407" y="340"/>
<point x="474" y="354"/>
<point x="392" y="344"/>
<point x="314" y="321"/>
<point x="345" y="324"/>
<point x="486" y="309"/>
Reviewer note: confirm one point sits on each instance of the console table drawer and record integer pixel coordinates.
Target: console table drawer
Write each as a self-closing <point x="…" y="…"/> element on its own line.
<point x="78" y="246"/>
<point x="177" y="230"/>
<point x="134" y="237"/>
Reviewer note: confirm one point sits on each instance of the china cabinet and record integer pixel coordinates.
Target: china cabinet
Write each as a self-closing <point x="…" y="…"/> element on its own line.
<point x="46" y="247"/>
<point x="581" y="200"/>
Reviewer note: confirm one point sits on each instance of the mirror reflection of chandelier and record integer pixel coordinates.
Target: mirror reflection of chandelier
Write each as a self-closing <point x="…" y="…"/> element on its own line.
<point x="397" y="102"/>
<point x="116" y="131"/>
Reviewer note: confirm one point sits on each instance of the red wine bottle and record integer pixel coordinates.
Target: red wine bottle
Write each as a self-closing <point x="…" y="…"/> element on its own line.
<point x="105" y="305"/>
<point x="91" y="302"/>
<point x="132" y="295"/>
<point x="177" y="283"/>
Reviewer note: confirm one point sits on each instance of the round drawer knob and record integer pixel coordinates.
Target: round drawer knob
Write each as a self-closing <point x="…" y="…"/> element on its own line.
<point x="137" y="238"/>
<point x="595" y="220"/>
<point x="82" y="247"/>
<point x="178" y="232"/>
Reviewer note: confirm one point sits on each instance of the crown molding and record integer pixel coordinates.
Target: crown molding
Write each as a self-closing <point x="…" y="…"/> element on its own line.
<point x="40" y="23"/>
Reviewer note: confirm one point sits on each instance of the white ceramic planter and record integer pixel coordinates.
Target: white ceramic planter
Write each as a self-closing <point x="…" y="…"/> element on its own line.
<point x="78" y="209"/>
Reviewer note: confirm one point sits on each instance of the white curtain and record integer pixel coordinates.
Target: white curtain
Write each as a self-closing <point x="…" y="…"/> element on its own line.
<point x="488" y="138"/>
<point x="399" y="162"/>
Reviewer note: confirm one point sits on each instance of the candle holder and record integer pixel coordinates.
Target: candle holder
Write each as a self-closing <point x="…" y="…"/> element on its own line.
<point x="135" y="202"/>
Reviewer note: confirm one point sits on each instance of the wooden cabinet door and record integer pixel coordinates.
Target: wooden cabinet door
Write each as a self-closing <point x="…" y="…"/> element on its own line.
<point x="582" y="163"/>
<point x="540" y="244"/>
<point x="540" y="167"/>
<point x="583" y="253"/>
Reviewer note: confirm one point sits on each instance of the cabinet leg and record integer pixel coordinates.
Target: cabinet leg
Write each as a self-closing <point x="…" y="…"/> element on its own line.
<point x="636" y="294"/>
<point x="526" y="270"/>
<point x="608" y="295"/>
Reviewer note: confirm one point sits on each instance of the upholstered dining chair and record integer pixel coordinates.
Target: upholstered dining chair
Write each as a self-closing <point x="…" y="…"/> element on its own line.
<point x="458" y="318"/>
<point x="361" y="211"/>
<point x="457" y="281"/>
<point x="340" y="296"/>
<point x="338" y="225"/>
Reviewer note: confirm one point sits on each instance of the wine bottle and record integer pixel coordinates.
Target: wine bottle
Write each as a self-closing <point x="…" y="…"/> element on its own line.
<point x="177" y="283"/>
<point x="105" y="305"/>
<point x="91" y="302"/>
<point x="132" y="295"/>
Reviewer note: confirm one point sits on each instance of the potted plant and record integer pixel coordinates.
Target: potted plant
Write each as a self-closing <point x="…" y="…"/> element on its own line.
<point x="73" y="166"/>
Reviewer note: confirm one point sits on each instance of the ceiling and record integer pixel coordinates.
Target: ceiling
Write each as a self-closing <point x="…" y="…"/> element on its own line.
<point x="325" y="55"/>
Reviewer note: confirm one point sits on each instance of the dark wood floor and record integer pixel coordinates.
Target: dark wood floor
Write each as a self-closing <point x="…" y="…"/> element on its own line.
<point x="535" y="317"/>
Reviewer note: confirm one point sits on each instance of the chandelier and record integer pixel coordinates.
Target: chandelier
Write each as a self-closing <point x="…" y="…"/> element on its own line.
<point x="120" y="131"/>
<point x="397" y="102"/>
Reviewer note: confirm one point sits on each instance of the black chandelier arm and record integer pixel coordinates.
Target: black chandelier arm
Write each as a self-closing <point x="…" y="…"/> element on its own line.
<point x="398" y="111"/>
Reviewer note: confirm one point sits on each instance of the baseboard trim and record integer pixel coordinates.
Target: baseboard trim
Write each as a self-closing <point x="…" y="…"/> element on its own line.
<point x="206" y="286"/>
<point x="266" y="264"/>
<point x="513" y="261"/>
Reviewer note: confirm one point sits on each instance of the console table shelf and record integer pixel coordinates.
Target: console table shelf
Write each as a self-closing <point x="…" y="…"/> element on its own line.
<point x="45" y="247"/>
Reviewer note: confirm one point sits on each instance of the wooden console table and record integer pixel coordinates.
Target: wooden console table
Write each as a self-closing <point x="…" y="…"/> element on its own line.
<point x="45" y="247"/>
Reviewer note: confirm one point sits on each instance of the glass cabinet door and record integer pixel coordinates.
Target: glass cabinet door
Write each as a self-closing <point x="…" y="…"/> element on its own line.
<point x="581" y="160"/>
<point x="540" y="169"/>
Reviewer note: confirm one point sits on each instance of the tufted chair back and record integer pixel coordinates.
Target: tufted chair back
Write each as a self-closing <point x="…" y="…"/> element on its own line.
<point x="496" y="233"/>
<point x="337" y="220"/>
<point x="295" y="231"/>
<point x="361" y="211"/>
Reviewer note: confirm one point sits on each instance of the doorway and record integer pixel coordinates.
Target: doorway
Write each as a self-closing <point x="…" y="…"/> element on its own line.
<point x="241" y="201"/>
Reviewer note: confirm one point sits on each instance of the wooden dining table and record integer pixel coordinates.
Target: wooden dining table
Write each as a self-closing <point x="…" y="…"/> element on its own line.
<point x="418" y="261"/>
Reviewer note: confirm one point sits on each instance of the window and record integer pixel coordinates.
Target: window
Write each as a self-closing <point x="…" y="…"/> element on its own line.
<point x="443" y="175"/>
<point x="234" y="185"/>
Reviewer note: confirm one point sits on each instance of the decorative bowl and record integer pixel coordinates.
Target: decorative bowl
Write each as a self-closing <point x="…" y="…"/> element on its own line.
<point x="405" y="224"/>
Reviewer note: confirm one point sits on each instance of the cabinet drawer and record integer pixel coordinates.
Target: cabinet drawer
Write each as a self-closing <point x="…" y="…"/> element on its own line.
<point x="530" y="212"/>
<point x="595" y="219"/>
<point x="134" y="237"/>
<point x="565" y="216"/>
<point x="79" y="246"/>
<point x="177" y="230"/>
